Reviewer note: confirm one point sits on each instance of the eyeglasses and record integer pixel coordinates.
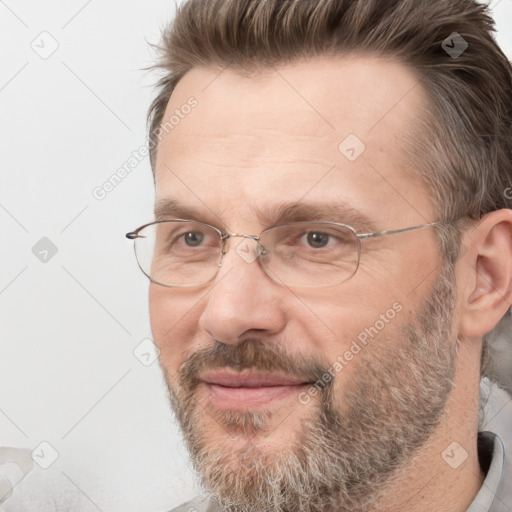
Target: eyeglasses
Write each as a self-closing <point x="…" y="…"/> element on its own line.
<point x="186" y="253"/>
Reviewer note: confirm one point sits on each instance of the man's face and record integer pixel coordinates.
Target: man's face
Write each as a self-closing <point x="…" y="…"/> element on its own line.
<point x="241" y="354"/>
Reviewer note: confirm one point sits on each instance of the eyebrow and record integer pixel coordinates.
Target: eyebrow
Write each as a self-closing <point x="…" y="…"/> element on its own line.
<point x="274" y="215"/>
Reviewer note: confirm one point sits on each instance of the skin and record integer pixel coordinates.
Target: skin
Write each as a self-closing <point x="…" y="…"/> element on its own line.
<point x="257" y="140"/>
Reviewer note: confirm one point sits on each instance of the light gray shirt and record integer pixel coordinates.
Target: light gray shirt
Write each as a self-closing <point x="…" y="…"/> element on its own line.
<point x="494" y="451"/>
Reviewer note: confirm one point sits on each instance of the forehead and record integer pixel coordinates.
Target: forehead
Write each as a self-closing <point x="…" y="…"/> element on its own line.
<point x="328" y="129"/>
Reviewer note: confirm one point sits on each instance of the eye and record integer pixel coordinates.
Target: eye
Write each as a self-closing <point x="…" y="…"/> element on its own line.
<point x="193" y="238"/>
<point x="317" y="239"/>
<point x="178" y="237"/>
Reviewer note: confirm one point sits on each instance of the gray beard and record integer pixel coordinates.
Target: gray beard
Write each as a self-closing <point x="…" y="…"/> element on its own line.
<point x="342" y="458"/>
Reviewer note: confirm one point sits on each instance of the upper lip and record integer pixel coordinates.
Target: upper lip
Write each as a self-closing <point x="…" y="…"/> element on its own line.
<point x="249" y="379"/>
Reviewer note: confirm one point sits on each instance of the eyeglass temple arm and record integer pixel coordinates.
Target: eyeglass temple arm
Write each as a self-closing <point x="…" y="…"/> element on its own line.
<point x="396" y="231"/>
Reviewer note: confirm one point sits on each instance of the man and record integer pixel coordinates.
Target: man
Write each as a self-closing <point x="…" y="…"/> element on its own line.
<point x="332" y="245"/>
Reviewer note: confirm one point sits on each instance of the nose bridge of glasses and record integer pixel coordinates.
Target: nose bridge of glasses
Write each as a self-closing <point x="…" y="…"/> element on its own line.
<point x="243" y="249"/>
<point x="232" y="235"/>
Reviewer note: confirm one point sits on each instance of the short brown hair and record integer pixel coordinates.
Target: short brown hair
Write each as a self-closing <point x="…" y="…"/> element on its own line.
<point x="464" y="149"/>
<point x="466" y="158"/>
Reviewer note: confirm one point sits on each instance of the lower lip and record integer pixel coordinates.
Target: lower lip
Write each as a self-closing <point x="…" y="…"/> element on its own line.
<point x="246" y="398"/>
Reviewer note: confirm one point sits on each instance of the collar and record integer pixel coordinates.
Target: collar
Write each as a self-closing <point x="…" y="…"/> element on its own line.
<point x="487" y="499"/>
<point x="495" y="451"/>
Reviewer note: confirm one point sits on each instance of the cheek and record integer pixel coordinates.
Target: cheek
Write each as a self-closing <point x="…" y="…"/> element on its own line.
<point x="160" y="321"/>
<point x="173" y="323"/>
<point x="357" y="318"/>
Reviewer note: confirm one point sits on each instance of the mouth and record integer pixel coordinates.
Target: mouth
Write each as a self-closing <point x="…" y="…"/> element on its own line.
<point x="248" y="389"/>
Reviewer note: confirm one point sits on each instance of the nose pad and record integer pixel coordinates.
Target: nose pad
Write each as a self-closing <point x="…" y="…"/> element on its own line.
<point x="249" y="250"/>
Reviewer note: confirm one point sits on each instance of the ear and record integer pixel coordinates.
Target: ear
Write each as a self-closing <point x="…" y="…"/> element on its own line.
<point x="486" y="273"/>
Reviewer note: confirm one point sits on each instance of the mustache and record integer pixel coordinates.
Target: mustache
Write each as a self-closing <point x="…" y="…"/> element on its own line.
<point x="250" y="354"/>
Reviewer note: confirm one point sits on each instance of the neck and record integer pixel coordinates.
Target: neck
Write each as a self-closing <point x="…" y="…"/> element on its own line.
<point x="445" y="474"/>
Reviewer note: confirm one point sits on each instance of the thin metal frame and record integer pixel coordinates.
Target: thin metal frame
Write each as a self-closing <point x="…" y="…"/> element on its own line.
<point x="132" y="235"/>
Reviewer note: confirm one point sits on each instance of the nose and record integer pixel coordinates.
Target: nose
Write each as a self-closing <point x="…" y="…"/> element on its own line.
<point x="243" y="300"/>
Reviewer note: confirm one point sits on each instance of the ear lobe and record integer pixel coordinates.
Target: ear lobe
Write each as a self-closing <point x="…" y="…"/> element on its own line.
<point x="488" y="266"/>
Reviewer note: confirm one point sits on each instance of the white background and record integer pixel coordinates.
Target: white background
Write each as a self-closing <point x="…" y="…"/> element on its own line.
<point x="69" y="326"/>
